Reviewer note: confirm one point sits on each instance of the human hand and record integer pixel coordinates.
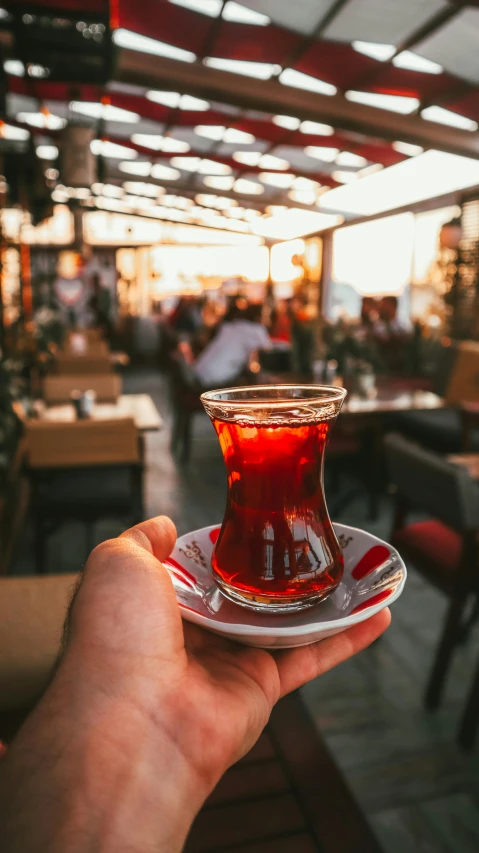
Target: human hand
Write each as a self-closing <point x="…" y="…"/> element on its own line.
<point x="154" y="710"/>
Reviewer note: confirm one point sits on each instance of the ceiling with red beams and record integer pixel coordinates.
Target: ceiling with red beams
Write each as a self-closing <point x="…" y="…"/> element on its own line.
<point x="394" y="57"/>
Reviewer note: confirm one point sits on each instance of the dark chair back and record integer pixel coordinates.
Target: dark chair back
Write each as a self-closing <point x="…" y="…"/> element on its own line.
<point x="430" y="483"/>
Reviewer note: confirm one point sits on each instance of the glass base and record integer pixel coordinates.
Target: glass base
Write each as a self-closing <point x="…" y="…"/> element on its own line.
<point x="269" y="604"/>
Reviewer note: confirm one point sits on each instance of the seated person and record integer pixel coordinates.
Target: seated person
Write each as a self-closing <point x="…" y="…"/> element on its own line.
<point x="240" y="335"/>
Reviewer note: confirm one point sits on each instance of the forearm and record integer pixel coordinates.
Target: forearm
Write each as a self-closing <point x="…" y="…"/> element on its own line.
<point x="110" y="783"/>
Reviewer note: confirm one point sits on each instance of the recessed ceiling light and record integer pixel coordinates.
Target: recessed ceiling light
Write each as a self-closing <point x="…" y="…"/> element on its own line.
<point x="344" y="177"/>
<point x="305" y="184"/>
<point x="170" y="145"/>
<point x="141" y="167"/>
<point x="226" y="134"/>
<point x="288" y="122"/>
<point x="298" y="80"/>
<point x="105" y="148"/>
<point x="212" y="8"/>
<point x="166" y="99"/>
<point x="218" y="183"/>
<point x="369" y="170"/>
<point x="302" y="196"/>
<point x="241" y="15"/>
<point x="4" y="13"/>
<point x="247" y="158"/>
<point x="327" y="155"/>
<point x="210" y="131"/>
<point x="250" y="214"/>
<point x="39" y="72"/>
<point x="407" y="148"/>
<point x="134" y="41"/>
<point x="188" y="164"/>
<point x="246" y="187"/>
<point x="212" y="167"/>
<point x="232" y="135"/>
<point x="143" y="188"/>
<point x="137" y="202"/>
<point x="112" y="191"/>
<point x="347" y="158"/>
<point x="218" y="202"/>
<point x="395" y="103"/>
<point x="164" y="173"/>
<point x="414" y="62"/>
<point x="188" y="102"/>
<point x="277" y="179"/>
<point x="59" y="196"/>
<point x="95" y="109"/>
<point x="275" y="209"/>
<point x="315" y="128"/>
<point x="269" y="161"/>
<point x="9" y="131"/>
<point x="260" y="70"/>
<point x="442" y="116"/>
<point x="160" y="143"/>
<point x="14" y="67"/>
<point x="177" y="101"/>
<point x="42" y="120"/>
<point x="47" y="152"/>
<point x="376" y="50"/>
<point x="207" y="200"/>
<point x="177" y="201"/>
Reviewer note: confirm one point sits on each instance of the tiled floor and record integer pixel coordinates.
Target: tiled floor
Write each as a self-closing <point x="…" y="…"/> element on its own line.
<point x="419" y="791"/>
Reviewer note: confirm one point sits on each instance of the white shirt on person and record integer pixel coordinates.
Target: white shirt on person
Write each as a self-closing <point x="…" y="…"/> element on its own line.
<point x="229" y="351"/>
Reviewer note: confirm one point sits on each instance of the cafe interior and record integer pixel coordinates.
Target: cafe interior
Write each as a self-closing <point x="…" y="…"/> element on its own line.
<point x="198" y="194"/>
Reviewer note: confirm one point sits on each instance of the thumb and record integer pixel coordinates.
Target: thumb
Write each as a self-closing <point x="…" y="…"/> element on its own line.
<point x="157" y="535"/>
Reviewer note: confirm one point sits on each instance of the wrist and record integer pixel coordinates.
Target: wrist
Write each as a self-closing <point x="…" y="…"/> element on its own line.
<point x="105" y="779"/>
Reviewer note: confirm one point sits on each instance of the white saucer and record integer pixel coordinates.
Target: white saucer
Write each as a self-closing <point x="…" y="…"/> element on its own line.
<point x="374" y="577"/>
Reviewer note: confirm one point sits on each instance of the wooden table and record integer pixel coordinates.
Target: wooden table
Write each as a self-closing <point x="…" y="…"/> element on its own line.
<point x="396" y="401"/>
<point x="140" y="407"/>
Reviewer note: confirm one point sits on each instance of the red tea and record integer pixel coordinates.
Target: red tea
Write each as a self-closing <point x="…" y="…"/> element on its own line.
<point x="276" y="543"/>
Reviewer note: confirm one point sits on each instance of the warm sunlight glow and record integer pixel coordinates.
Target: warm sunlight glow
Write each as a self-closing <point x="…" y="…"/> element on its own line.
<point x="375" y="257"/>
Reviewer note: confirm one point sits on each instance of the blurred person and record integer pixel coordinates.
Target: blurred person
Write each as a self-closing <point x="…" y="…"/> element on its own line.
<point x="144" y="713"/>
<point x="185" y="319"/>
<point x="240" y="335"/>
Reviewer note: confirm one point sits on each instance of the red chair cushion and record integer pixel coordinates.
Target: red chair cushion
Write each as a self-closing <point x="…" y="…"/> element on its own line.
<point x="432" y="547"/>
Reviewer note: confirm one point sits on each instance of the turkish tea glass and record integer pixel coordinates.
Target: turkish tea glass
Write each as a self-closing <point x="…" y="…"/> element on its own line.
<point x="276" y="550"/>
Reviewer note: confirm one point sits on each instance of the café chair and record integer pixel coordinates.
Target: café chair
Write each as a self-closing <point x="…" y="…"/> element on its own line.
<point x="57" y="389"/>
<point x="83" y="470"/>
<point x="470" y="718"/>
<point x="443" y="548"/>
<point x="456" y="380"/>
<point x="32" y="613"/>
